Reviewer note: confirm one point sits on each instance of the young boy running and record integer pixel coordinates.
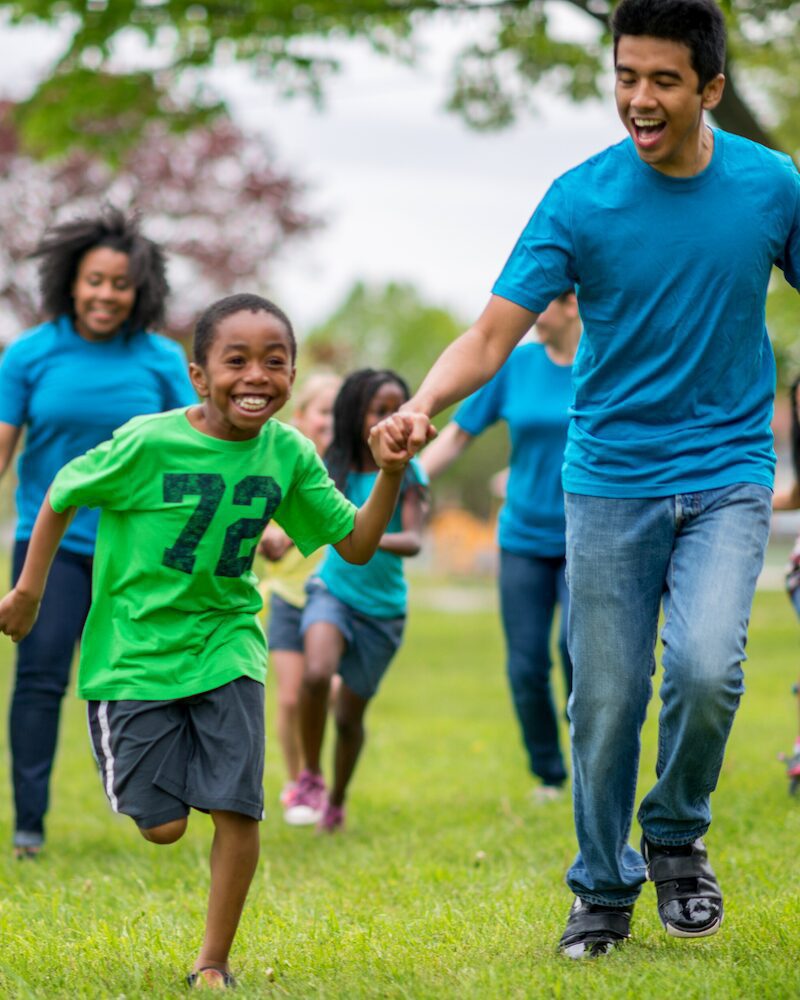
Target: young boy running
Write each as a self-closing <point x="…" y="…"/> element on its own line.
<point x="173" y="657"/>
<point x="670" y="237"/>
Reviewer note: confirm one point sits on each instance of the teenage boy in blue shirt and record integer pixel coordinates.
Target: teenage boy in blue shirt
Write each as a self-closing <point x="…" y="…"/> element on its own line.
<point x="670" y="237"/>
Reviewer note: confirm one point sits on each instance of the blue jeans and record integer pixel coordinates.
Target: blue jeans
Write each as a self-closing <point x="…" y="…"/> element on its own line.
<point x="530" y="589"/>
<point x="701" y="554"/>
<point x="44" y="658"/>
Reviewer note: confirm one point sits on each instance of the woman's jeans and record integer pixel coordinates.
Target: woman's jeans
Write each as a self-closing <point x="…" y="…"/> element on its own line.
<point x="699" y="553"/>
<point x="530" y="589"/>
<point x="44" y="658"/>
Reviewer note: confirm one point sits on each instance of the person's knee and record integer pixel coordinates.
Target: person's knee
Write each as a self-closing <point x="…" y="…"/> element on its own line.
<point x="165" y="833"/>
<point x="318" y="674"/>
<point x="348" y="727"/>
<point x="704" y="669"/>
<point x="289" y="700"/>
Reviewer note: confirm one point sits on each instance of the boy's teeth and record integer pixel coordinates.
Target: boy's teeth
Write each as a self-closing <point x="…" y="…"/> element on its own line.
<point x="252" y="402"/>
<point x="646" y="122"/>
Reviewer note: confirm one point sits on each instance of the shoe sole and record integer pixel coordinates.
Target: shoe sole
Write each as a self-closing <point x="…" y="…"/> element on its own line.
<point x="302" y="816"/>
<point x="678" y="932"/>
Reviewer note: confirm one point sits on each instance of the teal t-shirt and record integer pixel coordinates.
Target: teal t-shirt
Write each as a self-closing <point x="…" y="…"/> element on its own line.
<point x="674" y="376"/>
<point x="379" y="587"/>
<point x="532" y="394"/>
<point x="174" y="597"/>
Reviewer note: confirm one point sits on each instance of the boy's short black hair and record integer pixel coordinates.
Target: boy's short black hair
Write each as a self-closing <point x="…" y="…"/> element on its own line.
<point x="697" y="24"/>
<point x="210" y="318"/>
<point x="63" y="247"/>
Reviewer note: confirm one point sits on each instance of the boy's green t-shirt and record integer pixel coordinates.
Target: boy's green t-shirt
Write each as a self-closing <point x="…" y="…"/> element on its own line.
<point x="174" y="598"/>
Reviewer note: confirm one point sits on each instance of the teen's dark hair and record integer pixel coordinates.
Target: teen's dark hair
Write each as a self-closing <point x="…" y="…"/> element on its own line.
<point x="346" y="450"/>
<point x="209" y="320"/>
<point x="62" y="248"/>
<point x="794" y="389"/>
<point x="698" y="24"/>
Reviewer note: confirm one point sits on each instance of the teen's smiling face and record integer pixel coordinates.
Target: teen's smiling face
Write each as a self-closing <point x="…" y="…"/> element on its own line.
<point x="247" y="376"/>
<point x="660" y="105"/>
<point x="103" y="295"/>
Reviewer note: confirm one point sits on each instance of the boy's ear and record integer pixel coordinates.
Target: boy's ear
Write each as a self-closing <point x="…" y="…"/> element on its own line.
<point x="199" y="380"/>
<point x="712" y="92"/>
<point x="291" y="382"/>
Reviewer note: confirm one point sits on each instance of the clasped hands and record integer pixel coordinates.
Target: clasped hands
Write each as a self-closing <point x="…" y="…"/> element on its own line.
<point x="397" y="438"/>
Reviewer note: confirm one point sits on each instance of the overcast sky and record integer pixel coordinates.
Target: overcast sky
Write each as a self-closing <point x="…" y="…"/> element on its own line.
<point x="409" y="192"/>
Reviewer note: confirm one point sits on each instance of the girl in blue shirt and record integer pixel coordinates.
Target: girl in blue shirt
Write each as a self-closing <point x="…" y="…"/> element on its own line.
<point x="531" y="393"/>
<point x="354" y="618"/>
<point x="69" y="383"/>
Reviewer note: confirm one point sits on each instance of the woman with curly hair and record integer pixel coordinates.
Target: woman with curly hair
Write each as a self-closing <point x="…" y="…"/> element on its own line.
<point x="69" y="383"/>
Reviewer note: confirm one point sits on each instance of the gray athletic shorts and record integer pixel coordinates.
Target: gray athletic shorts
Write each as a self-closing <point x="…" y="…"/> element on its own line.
<point x="370" y="643"/>
<point x="159" y="759"/>
<point x="283" y="628"/>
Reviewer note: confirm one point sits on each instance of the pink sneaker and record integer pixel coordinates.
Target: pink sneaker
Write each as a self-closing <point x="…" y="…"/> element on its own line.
<point x="310" y="799"/>
<point x="332" y="819"/>
<point x="288" y="794"/>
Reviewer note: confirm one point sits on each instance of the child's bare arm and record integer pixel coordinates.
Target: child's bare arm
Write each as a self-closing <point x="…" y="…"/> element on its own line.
<point x="408" y="541"/>
<point x="20" y="607"/>
<point x="372" y="519"/>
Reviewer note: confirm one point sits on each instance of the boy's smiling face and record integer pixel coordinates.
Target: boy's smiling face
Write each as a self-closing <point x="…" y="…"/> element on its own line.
<point x="660" y="105"/>
<point x="247" y="376"/>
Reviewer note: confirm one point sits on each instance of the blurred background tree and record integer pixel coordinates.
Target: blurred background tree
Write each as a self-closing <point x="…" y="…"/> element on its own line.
<point x="213" y="196"/>
<point x="286" y="41"/>
<point x="391" y="326"/>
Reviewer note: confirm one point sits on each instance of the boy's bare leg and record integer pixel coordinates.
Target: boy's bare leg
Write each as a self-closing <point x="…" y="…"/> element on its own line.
<point x="324" y="645"/>
<point x="234" y="856"/>
<point x="350" y="709"/>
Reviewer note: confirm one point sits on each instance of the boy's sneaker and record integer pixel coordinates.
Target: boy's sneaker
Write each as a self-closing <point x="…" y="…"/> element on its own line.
<point x="689" y="896"/>
<point x="310" y="799"/>
<point x="332" y="819"/>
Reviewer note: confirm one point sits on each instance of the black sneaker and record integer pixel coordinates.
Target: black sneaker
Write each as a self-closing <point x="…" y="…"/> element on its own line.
<point x="689" y="896"/>
<point x="594" y="929"/>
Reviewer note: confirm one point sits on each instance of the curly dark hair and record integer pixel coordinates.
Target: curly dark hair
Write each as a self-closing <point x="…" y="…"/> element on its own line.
<point x="346" y="450"/>
<point x="697" y="24"/>
<point x="62" y="248"/>
<point x="211" y="317"/>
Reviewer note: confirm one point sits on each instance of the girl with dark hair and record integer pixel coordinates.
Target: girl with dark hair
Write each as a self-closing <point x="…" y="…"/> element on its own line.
<point x="70" y="382"/>
<point x="790" y="500"/>
<point x="354" y="617"/>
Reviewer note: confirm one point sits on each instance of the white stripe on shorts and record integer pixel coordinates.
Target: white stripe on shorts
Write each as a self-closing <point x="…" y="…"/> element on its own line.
<point x="108" y="762"/>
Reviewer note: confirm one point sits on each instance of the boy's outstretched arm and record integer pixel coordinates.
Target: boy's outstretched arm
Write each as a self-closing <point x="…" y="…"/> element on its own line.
<point x="387" y="443"/>
<point x="467" y="364"/>
<point x="20" y="607"/>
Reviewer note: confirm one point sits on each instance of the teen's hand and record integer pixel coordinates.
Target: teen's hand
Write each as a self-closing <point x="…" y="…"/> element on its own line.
<point x="275" y="543"/>
<point x="420" y="430"/>
<point x="18" y="613"/>
<point x="388" y="442"/>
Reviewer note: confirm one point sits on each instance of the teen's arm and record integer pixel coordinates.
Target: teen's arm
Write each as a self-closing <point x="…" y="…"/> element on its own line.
<point x="440" y="454"/>
<point x="466" y="364"/>
<point x="20" y="607"/>
<point x="9" y="436"/>
<point x="788" y="500"/>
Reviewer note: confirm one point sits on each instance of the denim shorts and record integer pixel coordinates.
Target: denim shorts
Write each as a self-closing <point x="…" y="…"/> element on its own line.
<point x="370" y="643"/>
<point x="283" y="628"/>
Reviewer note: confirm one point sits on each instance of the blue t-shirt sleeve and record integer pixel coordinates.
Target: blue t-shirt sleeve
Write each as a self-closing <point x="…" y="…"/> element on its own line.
<point x="177" y="386"/>
<point x="14" y="386"/>
<point x="482" y="408"/>
<point x="542" y="264"/>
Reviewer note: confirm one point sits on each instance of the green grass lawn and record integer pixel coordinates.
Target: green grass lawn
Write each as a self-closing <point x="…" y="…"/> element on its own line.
<point x="448" y="881"/>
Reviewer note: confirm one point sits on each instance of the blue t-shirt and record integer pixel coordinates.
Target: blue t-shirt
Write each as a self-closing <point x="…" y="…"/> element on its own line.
<point x="674" y="376"/>
<point x="70" y="394"/>
<point x="378" y="588"/>
<point x="532" y="394"/>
